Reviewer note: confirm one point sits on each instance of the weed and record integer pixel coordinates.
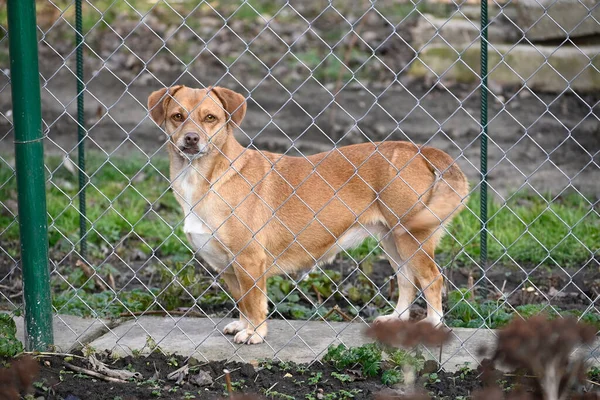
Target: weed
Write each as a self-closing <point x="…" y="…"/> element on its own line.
<point x="88" y="350"/>
<point x="340" y="394"/>
<point x="9" y="344"/>
<point x="276" y="395"/>
<point x="594" y="374"/>
<point x="368" y="357"/>
<point x="285" y="366"/>
<point x="342" y="377"/>
<point x="315" y="378"/>
<point x="236" y="386"/>
<point x="301" y="369"/>
<point x="391" y="377"/>
<point x="433" y="378"/>
<point x="402" y="358"/>
<point x="41" y="385"/>
<point x="266" y="363"/>
<point x="172" y="362"/>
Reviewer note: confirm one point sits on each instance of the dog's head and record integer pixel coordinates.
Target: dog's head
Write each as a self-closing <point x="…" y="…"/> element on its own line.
<point x="197" y="121"/>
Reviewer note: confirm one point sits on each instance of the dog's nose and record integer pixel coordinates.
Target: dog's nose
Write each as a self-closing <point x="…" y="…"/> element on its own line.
<point x="191" y="138"/>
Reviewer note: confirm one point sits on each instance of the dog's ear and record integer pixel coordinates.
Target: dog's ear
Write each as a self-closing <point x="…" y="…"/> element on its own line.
<point x="233" y="102"/>
<point x="157" y="102"/>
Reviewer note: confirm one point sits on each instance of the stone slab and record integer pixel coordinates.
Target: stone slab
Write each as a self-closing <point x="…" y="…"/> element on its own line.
<point x="545" y="68"/>
<point x="458" y="32"/>
<point x="70" y="332"/>
<point x="298" y="341"/>
<point x="557" y="19"/>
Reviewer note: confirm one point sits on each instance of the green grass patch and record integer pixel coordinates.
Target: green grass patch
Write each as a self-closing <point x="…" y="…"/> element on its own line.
<point x="468" y="311"/>
<point x="529" y="229"/>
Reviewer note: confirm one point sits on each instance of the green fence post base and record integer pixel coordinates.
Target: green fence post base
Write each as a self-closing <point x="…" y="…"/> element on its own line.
<point x="29" y="154"/>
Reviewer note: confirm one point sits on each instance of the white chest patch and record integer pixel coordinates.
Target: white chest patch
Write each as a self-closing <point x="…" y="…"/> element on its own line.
<point x="197" y="230"/>
<point x="201" y="237"/>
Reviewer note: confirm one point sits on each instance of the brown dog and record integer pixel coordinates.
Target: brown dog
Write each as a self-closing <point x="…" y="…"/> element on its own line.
<point x="252" y="214"/>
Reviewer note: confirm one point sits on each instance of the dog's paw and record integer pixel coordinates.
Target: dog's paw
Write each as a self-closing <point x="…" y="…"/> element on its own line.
<point x="234" y="327"/>
<point x="247" y="337"/>
<point x="386" y="318"/>
<point x="435" y="321"/>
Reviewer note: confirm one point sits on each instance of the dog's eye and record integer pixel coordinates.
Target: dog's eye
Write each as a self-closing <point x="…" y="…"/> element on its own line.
<point x="177" y="117"/>
<point x="209" y="118"/>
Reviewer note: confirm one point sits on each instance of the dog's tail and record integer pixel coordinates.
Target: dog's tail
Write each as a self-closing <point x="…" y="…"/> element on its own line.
<point x="448" y="194"/>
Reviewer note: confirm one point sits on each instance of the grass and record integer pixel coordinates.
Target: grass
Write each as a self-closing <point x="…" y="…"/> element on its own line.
<point x="469" y="311"/>
<point x="529" y="229"/>
<point x="131" y="209"/>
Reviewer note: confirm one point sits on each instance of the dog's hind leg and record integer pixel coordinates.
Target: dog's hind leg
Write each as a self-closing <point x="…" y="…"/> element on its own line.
<point x="417" y="248"/>
<point x="406" y="281"/>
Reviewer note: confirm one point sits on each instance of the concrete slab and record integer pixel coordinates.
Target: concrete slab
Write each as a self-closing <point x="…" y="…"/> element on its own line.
<point x="557" y="19"/>
<point x="70" y="332"/>
<point x="298" y="341"/>
<point x="458" y="32"/>
<point x="546" y="68"/>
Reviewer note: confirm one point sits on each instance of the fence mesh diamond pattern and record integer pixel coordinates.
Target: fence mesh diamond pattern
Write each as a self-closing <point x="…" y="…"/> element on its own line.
<point x="315" y="75"/>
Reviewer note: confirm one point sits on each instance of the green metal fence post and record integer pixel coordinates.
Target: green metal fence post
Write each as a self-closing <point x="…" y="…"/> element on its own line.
<point x="29" y="153"/>
<point x="81" y="129"/>
<point x="484" y="132"/>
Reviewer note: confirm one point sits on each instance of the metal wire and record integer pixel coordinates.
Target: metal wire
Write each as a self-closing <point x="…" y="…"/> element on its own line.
<point x="312" y="67"/>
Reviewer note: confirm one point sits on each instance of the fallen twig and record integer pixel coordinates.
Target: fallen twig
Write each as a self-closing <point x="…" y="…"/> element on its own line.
<point x="36" y="354"/>
<point x="319" y="298"/>
<point x="113" y="373"/>
<point x="91" y="274"/>
<point x="339" y="311"/>
<point x="93" y="373"/>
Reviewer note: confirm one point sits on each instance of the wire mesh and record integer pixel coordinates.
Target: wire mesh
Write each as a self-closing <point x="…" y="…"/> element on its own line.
<point x="315" y="76"/>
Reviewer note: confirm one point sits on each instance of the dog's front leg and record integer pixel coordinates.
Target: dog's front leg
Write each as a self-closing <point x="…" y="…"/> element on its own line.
<point x="234" y="288"/>
<point x="250" y="274"/>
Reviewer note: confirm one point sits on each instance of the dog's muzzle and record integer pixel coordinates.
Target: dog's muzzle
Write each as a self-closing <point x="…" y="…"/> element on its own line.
<point x="191" y="145"/>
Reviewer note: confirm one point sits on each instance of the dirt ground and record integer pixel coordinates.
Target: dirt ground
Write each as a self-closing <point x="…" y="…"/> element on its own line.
<point x="65" y="377"/>
<point x="59" y="384"/>
<point x="545" y="141"/>
<point x="559" y="151"/>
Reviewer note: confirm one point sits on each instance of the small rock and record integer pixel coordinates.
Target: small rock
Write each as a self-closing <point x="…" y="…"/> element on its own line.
<point x="430" y="366"/>
<point x="202" y="379"/>
<point x="132" y="61"/>
<point x="248" y="371"/>
<point x="288" y="375"/>
<point x="495" y="87"/>
<point x="139" y="178"/>
<point x="139" y="255"/>
<point x="370" y="37"/>
<point x="524" y="94"/>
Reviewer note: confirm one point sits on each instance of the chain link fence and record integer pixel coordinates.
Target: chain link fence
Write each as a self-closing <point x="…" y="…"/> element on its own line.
<point x="315" y="75"/>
